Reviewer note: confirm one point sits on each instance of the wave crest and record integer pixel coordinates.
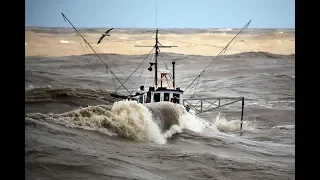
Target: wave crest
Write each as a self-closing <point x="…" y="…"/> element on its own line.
<point x="129" y="119"/>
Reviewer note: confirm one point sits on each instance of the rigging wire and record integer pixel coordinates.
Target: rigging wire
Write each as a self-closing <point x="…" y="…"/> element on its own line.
<point x="65" y="18"/>
<point x="222" y="51"/>
<point x="113" y="82"/>
<point x="134" y="70"/>
<point x="88" y="62"/>
<point x="146" y="67"/>
<point x="105" y="66"/>
<point x="98" y="50"/>
<point x="238" y="37"/>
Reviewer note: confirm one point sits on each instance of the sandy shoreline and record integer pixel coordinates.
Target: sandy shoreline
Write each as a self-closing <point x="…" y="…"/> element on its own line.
<point x="206" y="44"/>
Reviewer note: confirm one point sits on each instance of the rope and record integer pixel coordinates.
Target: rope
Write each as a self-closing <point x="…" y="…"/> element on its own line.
<point x="134" y="70"/>
<point x="98" y="50"/>
<point x="65" y="18"/>
<point x="222" y="51"/>
<point x="88" y="62"/>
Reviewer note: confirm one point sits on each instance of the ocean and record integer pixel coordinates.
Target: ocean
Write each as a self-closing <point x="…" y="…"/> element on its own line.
<point x="75" y="128"/>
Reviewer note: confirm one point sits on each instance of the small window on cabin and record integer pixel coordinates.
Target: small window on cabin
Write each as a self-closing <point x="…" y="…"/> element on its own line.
<point x="148" y="97"/>
<point x="166" y="96"/>
<point x="176" y="95"/>
<point x="156" y="97"/>
<point x="175" y="98"/>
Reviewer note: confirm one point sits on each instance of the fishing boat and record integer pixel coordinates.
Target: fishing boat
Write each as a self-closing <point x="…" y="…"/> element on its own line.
<point x="161" y="92"/>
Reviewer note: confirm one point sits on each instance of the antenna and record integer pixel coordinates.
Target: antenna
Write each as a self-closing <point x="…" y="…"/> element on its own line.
<point x="156" y="14"/>
<point x="157" y="49"/>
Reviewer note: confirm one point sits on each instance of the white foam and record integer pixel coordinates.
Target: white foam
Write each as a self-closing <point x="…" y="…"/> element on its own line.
<point x="224" y="125"/>
<point x="280" y="32"/>
<point x="66" y="42"/>
<point x="126" y="118"/>
<point x="191" y="122"/>
<point x="285" y="127"/>
<point x="279" y="41"/>
<point x="173" y="130"/>
<point x="30" y="86"/>
<point x="134" y="121"/>
<point x="186" y="121"/>
<point x="134" y="115"/>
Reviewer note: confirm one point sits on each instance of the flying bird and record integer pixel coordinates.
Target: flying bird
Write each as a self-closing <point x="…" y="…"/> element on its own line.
<point x="105" y="34"/>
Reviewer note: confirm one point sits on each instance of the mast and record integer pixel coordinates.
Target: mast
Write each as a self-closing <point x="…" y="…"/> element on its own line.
<point x="157" y="47"/>
<point x="156" y="59"/>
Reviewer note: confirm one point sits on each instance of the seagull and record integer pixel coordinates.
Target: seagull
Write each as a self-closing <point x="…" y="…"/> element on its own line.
<point x="105" y="34"/>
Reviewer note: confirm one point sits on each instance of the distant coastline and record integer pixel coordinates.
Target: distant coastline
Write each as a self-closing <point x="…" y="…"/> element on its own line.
<point x="57" y="42"/>
<point x="67" y="30"/>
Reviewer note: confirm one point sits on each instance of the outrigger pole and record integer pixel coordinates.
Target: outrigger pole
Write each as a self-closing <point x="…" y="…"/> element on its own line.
<point x="65" y="18"/>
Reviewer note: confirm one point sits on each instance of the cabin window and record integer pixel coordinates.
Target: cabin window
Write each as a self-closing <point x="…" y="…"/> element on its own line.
<point x="148" y="100"/>
<point x="156" y="97"/>
<point x="176" y="95"/>
<point x="175" y="98"/>
<point x="166" y="96"/>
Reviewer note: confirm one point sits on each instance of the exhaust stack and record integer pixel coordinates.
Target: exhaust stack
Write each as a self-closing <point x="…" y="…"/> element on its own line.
<point x="173" y="76"/>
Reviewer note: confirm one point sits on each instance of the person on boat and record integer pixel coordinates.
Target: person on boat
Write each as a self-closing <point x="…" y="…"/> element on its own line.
<point x="174" y="99"/>
<point x="140" y="90"/>
<point x="187" y="108"/>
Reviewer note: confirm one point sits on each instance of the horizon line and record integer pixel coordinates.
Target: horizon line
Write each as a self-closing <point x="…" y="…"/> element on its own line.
<point x="159" y="27"/>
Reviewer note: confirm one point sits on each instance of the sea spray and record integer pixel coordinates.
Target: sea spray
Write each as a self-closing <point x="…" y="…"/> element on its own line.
<point x="136" y="122"/>
<point x="224" y="125"/>
<point x="155" y="122"/>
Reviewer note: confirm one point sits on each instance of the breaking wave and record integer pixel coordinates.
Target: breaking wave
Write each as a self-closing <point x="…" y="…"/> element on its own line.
<point x="155" y="122"/>
<point x="224" y="125"/>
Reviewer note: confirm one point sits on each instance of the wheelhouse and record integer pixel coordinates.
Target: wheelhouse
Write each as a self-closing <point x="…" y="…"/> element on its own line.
<point x="161" y="94"/>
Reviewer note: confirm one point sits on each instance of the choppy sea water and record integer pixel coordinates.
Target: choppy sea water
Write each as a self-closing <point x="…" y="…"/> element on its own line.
<point x="114" y="139"/>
